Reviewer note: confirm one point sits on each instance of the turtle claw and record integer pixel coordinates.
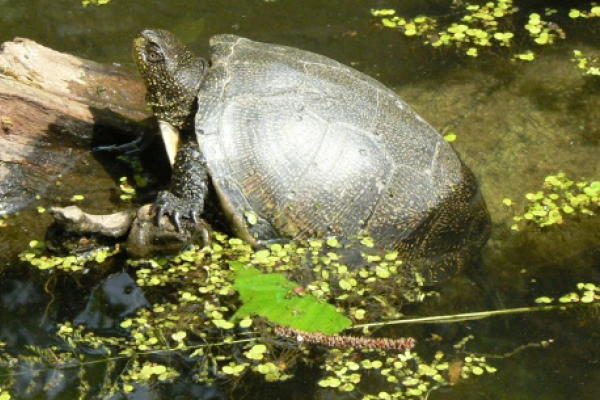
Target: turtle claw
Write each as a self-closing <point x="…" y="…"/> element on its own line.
<point x="162" y="205"/>
<point x="176" y="215"/>
<point x="177" y="208"/>
<point x="195" y="215"/>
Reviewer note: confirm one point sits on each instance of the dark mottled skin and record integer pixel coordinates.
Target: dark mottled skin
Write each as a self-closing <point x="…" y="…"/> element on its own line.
<point x="172" y="76"/>
<point x="189" y="184"/>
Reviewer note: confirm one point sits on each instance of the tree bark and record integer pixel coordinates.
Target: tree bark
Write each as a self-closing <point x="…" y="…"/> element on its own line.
<point x="51" y="107"/>
<point x="54" y="108"/>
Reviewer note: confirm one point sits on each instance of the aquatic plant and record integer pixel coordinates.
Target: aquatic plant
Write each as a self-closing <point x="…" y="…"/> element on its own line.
<point x="77" y="198"/>
<point x="218" y="321"/>
<point x="216" y="324"/>
<point x="141" y="178"/>
<point x="128" y="191"/>
<point x="560" y="198"/>
<point x="594" y="12"/>
<point x="479" y="27"/>
<point x="283" y="302"/>
<point x="450" y="137"/>
<point x="231" y="313"/>
<point x="587" y="293"/>
<point x="86" y="3"/>
<point x="38" y="256"/>
<point x="473" y="29"/>
<point x="590" y="65"/>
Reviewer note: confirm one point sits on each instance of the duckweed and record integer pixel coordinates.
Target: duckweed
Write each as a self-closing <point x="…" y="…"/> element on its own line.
<point x="77" y="197"/>
<point x="559" y="199"/>
<point x="587" y="293"/>
<point x="128" y="191"/>
<point x="86" y="3"/>
<point x="209" y="319"/>
<point x="592" y="13"/>
<point x="141" y="178"/>
<point x="588" y="64"/>
<point x="451" y="136"/>
<point x="482" y="28"/>
<point x="479" y="27"/>
<point x="38" y="257"/>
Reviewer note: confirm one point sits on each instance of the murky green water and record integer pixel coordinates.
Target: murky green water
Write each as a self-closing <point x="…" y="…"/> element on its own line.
<point x="516" y="124"/>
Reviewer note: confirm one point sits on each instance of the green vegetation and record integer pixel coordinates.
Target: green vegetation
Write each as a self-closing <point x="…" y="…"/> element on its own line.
<point x="38" y="257"/>
<point x="222" y="308"/>
<point x="588" y="293"/>
<point x="450" y="137"/>
<point x="560" y="198"/>
<point x="141" y="178"/>
<point x="128" y="190"/>
<point x="283" y="302"/>
<point x="589" y="65"/>
<point x="475" y="29"/>
<point x="86" y="3"/>
<point x="344" y="372"/>
<point x="297" y="279"/>
<point x="77" y="198"/>
<point x="479" y="27"/>
<point x="593" y="13"/>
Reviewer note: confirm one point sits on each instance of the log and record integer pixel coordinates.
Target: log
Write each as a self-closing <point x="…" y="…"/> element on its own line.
<point x="51" y="106"/>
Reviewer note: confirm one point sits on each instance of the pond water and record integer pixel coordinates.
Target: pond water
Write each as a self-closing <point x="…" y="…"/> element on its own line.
<point x="516" y="124"/>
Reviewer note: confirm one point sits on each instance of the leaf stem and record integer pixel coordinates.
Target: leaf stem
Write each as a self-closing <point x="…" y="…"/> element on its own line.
<point x="446" y="319"/>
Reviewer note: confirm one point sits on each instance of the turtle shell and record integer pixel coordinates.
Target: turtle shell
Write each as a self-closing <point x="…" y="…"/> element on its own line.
<point x="299" y="145"/>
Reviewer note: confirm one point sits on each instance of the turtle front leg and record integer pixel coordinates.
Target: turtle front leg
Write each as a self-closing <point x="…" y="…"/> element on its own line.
<point x="189" y="185"/>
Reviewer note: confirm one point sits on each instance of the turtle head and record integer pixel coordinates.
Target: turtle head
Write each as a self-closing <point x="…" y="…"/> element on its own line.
<point x="172" y="75"/>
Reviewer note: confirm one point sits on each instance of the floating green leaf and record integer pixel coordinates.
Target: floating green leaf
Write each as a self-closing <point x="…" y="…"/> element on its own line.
<point x="451" y="136"/>
<point x="272" y="296"/>
<point x="86" y="3"/>
<point x="559" y="199"/>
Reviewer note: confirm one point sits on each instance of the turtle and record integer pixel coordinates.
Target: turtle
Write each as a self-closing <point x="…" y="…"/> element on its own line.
<point x="297" y="145"/>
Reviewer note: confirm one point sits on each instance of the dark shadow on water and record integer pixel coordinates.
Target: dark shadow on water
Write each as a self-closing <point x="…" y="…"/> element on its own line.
<point x="117" y="153"/>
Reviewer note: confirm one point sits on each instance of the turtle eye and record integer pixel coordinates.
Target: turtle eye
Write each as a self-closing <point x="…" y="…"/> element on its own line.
<point x="154" y="55"/>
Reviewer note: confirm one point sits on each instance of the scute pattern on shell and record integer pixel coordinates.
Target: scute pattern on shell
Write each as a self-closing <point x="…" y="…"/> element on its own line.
<point x="314" y="147"/>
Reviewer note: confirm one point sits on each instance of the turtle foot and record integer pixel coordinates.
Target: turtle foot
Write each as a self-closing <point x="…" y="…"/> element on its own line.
<point x="146" y="238"/>
<point x="177" y="208"/>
